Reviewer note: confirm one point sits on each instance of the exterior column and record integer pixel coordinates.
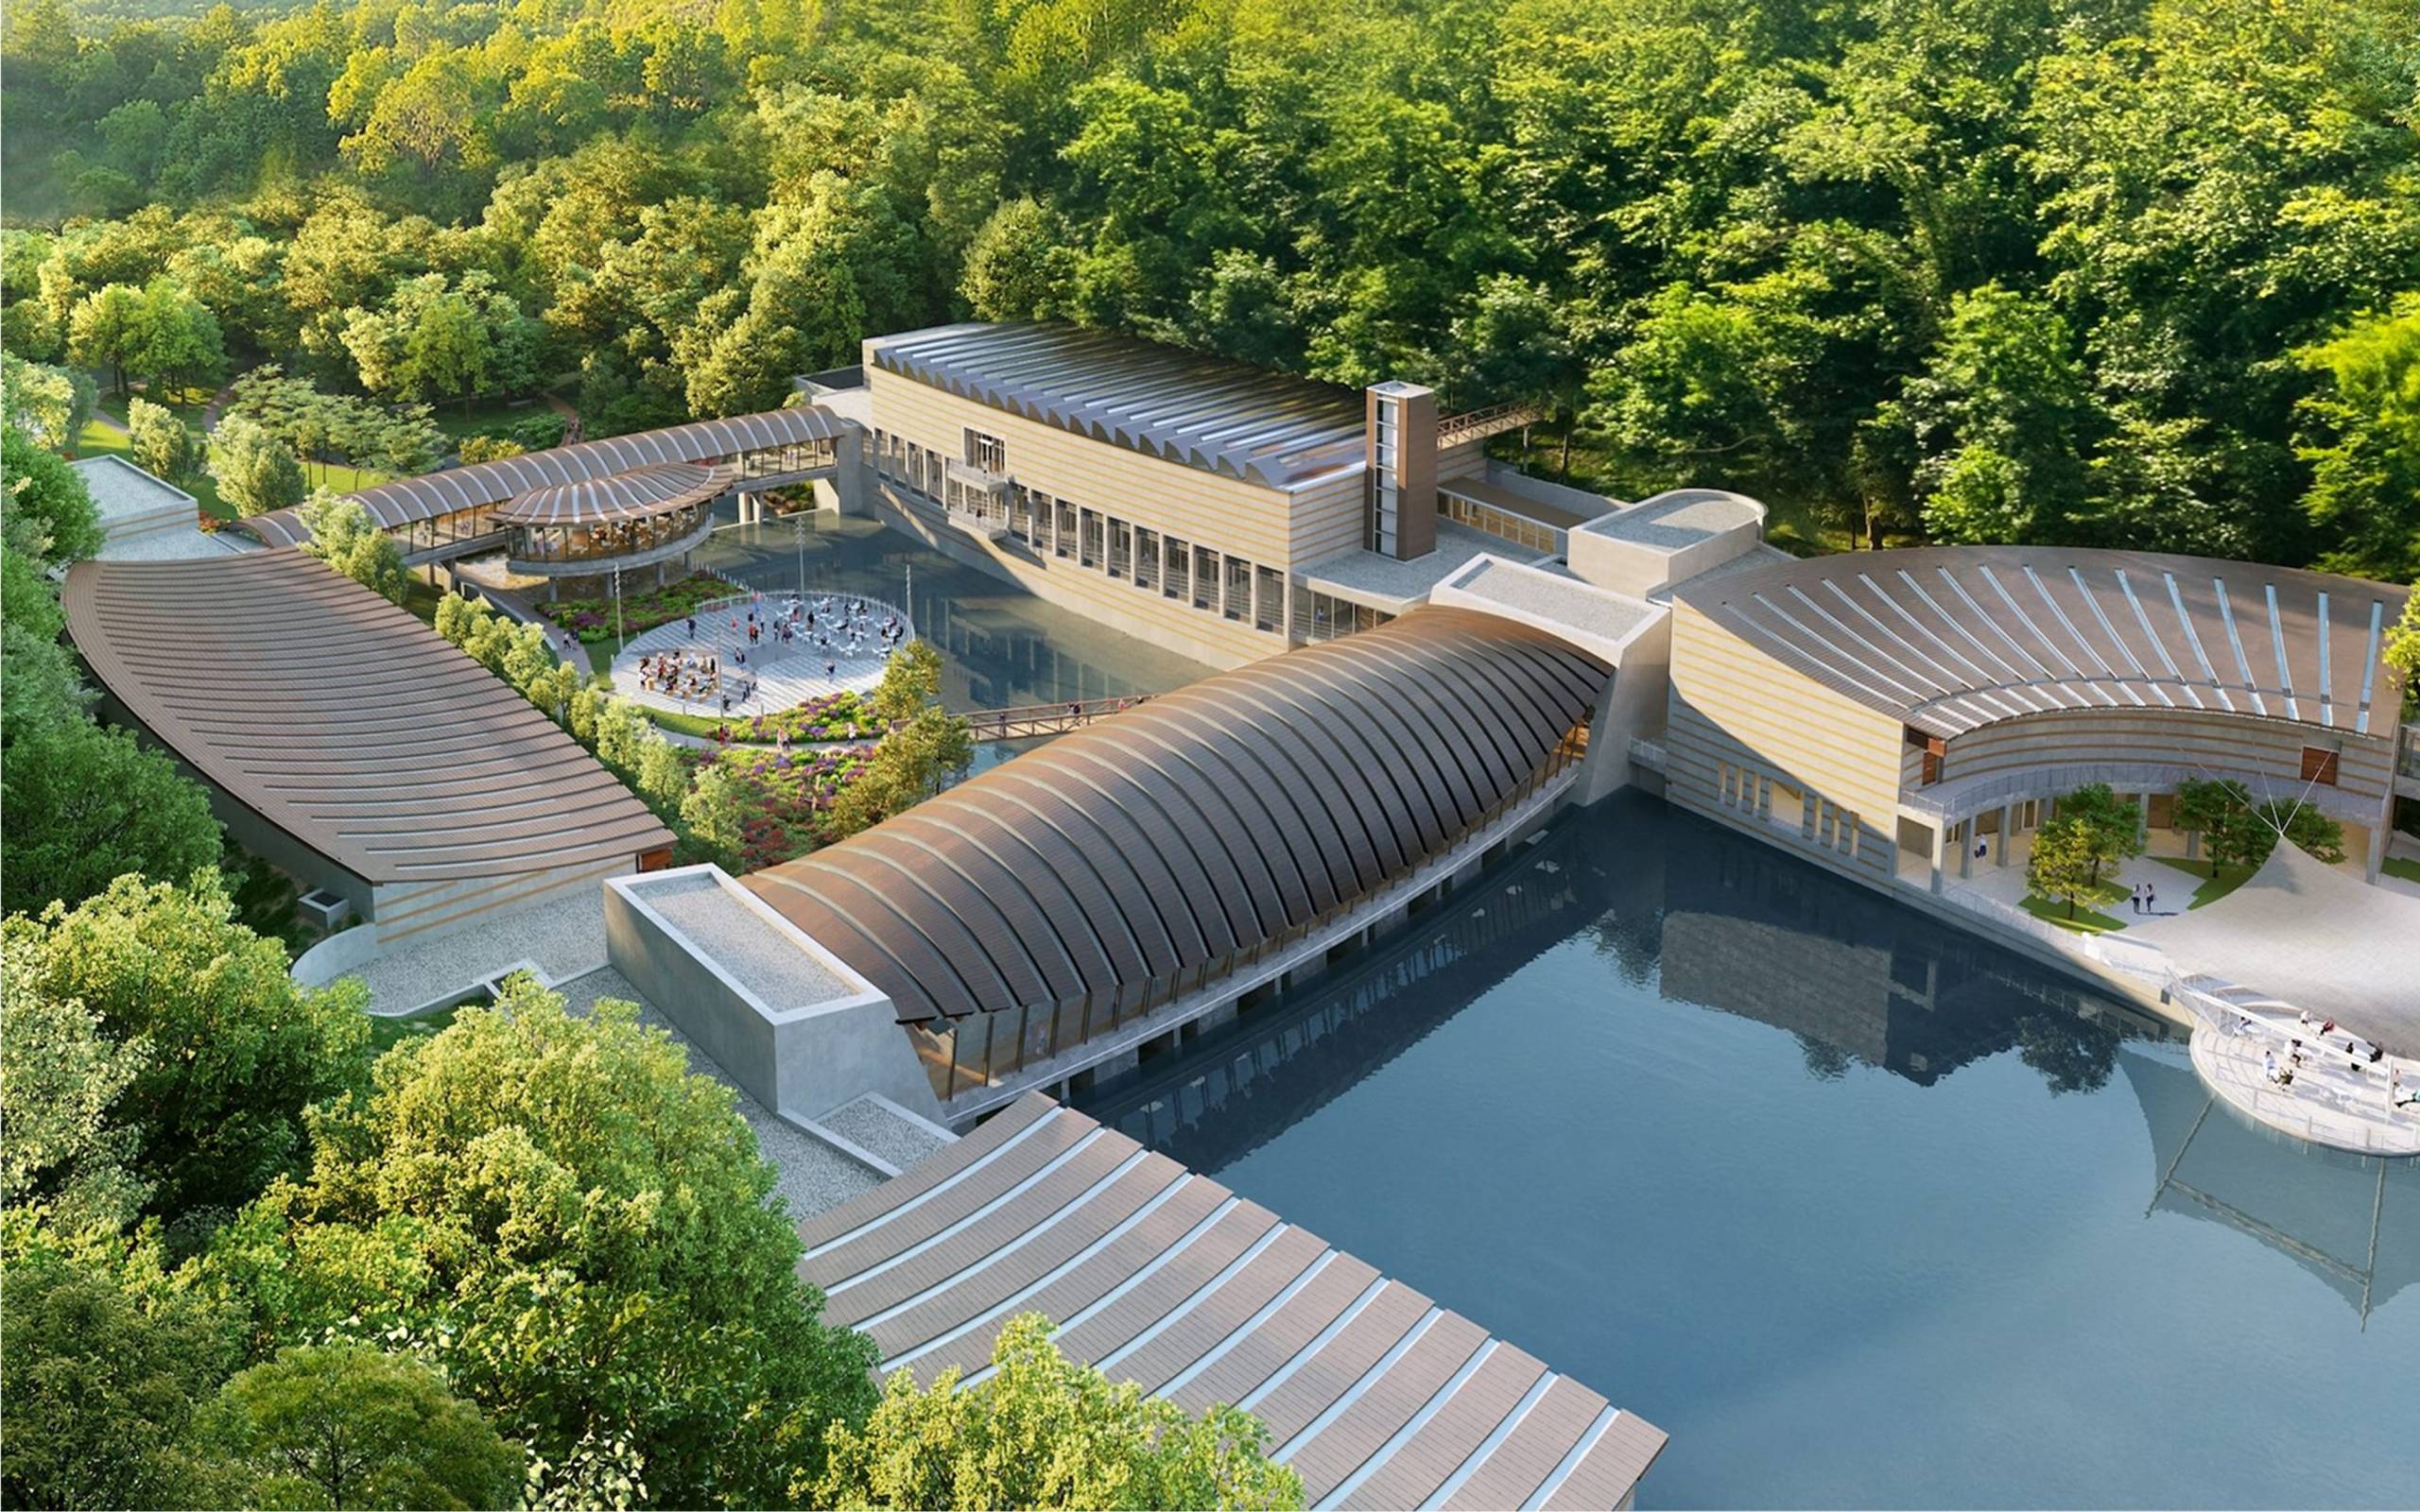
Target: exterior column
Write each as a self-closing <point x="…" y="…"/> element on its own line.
<point x="1939" y="840"/>
<point x="2008" y="821"/>
<point x="2381" y="833"/>
<point x="2143" y="817"/>
<point x="1966" y="850"/>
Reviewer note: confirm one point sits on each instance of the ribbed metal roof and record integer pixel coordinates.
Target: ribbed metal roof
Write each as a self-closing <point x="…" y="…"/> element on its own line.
<point x="409" y="500"/>
<point x="1376" y="1395"/>
<point x="346" y="722"/>
<point x="1224" y="416"/>
<point x="637" y="495"/>
<point x="1952" y="638"/>
<point x="1196" y="825"/>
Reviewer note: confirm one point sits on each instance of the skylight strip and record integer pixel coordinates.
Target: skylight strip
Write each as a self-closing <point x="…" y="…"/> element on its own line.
<point x="2235" y="638"/>
<point x="978" y="1215"/>
<point x="1082" y="1255"/>
<point x="1080" y="1202"/>
<point x="2277" y="649"/>
<point x="939" y="1187"/>
<point x="2194" y="637"/>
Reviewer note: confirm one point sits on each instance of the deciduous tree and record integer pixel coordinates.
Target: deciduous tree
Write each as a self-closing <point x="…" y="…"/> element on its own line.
<point x="1042" y="1431"/>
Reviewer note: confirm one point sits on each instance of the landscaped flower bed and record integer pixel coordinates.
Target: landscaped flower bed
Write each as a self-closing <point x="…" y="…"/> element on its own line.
<point x="592" y="619"/>
<point x="783" y="797"/>
<point x="834" y="717"/>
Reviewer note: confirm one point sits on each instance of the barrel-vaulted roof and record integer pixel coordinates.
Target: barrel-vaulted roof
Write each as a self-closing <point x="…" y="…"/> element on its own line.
<point x="637" y="495"/>
<point x="346" y="722"/>
<point x="1200" y="824"/>
<point x="407" y="501"/>
<point x="1223" y="417"/>
<point x="1949" y="639"/>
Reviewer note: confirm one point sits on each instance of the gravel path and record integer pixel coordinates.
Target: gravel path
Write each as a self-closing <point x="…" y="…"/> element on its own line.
<point x="868" y="1122"/>
<point x="566" y="938"/>
<point x="814" y="1176"/>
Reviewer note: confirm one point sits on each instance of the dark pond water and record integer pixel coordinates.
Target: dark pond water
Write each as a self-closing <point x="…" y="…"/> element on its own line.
<point x="1863" y="1212"/>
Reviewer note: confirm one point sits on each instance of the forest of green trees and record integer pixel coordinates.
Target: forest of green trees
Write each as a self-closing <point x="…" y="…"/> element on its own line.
<point x="2139" y="272"/>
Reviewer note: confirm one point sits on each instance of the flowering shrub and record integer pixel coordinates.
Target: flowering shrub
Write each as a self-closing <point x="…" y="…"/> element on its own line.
<point x="592" y="619"/>
<point x="783" y="799"/>
<point x="834" y="717"/>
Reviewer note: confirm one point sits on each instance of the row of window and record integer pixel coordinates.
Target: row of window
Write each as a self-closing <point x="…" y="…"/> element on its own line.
<point x="1150" y="559"/>
<point x="1502" y="524"/>
<point x="1778" y="803"/>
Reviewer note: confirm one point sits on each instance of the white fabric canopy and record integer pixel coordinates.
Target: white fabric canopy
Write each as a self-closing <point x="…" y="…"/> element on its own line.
<point x="2310" y="936"/>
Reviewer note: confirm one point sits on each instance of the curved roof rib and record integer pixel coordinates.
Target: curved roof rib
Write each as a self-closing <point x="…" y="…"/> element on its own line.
<point x="1948" y="639"/>
<point x="347" y="723"/>
<point x="1222" y="416"/>
<point x="1198" y="825"/>
<point x="641" y="493"/>
<point x="409" y="501"/>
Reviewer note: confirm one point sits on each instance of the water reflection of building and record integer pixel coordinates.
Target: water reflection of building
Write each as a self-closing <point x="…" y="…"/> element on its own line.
<point x="1705" y="917"/>
<point x="2351" y="1220"/>
<point x="1751" y="932"/>
<point x="1239" y="1088"/>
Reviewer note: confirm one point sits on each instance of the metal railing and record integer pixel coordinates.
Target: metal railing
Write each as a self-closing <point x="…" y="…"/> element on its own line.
<point x="1027" y="721"/>
<point x="1478" y="424"/>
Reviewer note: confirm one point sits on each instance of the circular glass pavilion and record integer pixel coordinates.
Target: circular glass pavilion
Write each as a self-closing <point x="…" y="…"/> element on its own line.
<point x="641" y="518"/>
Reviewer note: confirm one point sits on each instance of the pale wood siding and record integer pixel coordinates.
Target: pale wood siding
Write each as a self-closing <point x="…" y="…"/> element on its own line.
<point x="1202" y="508"/>
<point x="1734" y="706"/>
<point x="2226" y="746"/>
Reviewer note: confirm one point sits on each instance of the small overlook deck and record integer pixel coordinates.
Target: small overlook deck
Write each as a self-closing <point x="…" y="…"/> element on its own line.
<point x="1374" y="1395"/>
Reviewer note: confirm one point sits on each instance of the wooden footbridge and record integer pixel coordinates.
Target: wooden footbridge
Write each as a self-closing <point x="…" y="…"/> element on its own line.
<point x="1027" y="721"/>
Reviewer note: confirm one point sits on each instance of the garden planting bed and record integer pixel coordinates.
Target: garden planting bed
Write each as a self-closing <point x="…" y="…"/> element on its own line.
<point x="592" y="619"/>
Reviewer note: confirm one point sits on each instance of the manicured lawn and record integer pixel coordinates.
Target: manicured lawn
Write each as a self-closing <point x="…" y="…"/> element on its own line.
<point x="2084" y="922"/>
<point x="98" y="439"/>
<point x="2398" y="867"/>
<point x="387" y="1033"/>
<point x="2214" y="886"/>
<point x="487" y="417"/>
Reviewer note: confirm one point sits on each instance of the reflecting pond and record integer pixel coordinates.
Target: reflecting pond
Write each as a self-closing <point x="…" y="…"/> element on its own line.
<point x="1864" y="1211"/>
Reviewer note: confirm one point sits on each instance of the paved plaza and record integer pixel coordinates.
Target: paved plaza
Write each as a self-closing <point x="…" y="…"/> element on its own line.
<point x="841" y="650"/>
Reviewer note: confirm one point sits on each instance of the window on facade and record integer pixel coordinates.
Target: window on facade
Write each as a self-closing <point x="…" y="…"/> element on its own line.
<point x="1205" y="578"/>
<point x="1936" y="752"/>
<point x="988" y="453"/>
<point x="2319" y="766"/>
<point x="1268" y="599"/>
<point x="1121" y="548"/>
<point x="1180" y="579"/>
<point x="1147" y="557"/>
<point x="1064" y="544"/>
<point x="1238" y="596"/>
<point x="1092" y="540"/>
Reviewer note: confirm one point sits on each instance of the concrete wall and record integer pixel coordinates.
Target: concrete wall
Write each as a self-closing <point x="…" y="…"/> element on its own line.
<point x="798" y="1059"/>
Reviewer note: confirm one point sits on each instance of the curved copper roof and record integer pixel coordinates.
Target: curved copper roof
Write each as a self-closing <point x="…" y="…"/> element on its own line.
<point x="409" y="500"/>
<point x="637" y="495"/>
<point x="1201" y="823"/>
<point x="346" y="722"/>
<point x="1952" y="638"/>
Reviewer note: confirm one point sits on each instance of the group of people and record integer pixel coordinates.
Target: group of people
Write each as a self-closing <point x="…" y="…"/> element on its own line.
<point x="682" y="675"/>
<point x="2316" y="1038"/>
<point x="2146" y="898"/>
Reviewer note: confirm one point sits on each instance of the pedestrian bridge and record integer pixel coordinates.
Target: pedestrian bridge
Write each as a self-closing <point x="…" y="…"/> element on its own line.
<point x="1020" y="918"/>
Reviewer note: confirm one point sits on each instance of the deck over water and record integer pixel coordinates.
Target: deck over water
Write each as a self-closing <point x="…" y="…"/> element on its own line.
<point x="1377" y="1397"/>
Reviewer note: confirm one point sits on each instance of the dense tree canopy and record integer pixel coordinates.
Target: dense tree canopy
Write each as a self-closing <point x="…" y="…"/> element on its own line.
<point x="576" y="1229"/>
<point x="231" y="1049"/>
<point x="1042" y="1431"/>
<point x="2114" y="271"/>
